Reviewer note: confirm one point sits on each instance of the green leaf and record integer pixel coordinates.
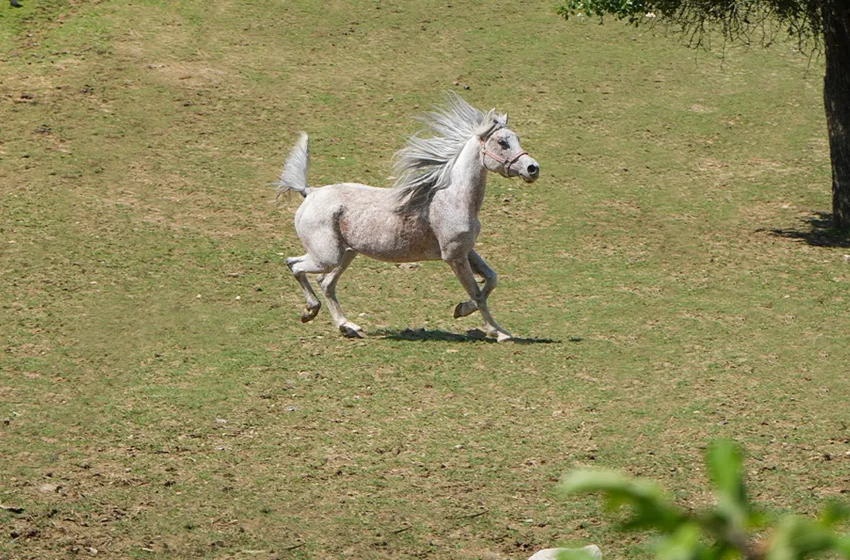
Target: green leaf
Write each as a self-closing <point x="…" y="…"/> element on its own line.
<point x="683" y="544"/>
<point x="842" y="546"/>
<point x="609" y="481"/>
<point x="834" y="512"/>
<point x="797" y="537"/>
<point x="650" y="509"/>
<point x="725" y="465"/>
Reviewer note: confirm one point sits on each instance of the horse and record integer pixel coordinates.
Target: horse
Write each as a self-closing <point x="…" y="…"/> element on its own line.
<point x="429" y="214"/>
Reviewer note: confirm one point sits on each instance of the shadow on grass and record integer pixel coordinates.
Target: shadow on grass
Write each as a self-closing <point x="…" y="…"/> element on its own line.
<point x="474" y="335"/>
<point x="820" y="231"/>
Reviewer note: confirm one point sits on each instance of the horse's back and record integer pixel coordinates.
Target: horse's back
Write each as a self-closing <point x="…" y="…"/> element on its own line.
<point x="349" y="194"/>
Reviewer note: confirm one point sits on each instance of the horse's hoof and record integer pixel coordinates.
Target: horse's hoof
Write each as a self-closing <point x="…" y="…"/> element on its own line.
<point x="464" y="309"/>
<point x="503" y="337"/>
<point x="499" y="335"/>
<point x="350" y="330"/>
<point x="310" y="313"/>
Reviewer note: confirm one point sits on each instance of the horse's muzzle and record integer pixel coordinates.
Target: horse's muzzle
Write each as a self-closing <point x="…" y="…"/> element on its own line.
<point x="529" y="170"/>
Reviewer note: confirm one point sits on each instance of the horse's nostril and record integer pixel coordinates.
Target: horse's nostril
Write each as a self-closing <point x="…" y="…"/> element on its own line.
<point x="533" y="169"/>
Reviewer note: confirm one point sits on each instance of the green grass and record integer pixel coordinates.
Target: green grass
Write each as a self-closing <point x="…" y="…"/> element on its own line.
<point x="175" y="420"/>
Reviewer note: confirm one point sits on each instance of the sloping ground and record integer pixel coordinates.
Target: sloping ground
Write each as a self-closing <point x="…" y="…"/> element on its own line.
<point x="161" y="399"/>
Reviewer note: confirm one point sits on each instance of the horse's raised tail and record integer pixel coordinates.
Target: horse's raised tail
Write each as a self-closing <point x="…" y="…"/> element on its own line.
<point x="294" y="174"/>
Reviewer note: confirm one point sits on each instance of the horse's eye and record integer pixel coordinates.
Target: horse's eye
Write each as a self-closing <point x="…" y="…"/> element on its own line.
<point x="504" y="144"/>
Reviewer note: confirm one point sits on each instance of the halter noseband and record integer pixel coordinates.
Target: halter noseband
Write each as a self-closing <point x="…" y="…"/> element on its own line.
<point x="507" y="162"/>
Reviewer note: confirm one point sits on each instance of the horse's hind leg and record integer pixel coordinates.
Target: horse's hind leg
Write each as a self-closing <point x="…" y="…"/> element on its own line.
<point x="479" y="266"/>
<point x="328" y="284"/>
<point x="300" y="267"/>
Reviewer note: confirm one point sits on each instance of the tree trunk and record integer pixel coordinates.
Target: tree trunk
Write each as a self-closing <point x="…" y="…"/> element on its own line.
<point x="836" y="96"/>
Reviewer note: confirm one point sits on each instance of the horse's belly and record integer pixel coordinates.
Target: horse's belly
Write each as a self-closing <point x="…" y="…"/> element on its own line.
<point x="392" y="238"/>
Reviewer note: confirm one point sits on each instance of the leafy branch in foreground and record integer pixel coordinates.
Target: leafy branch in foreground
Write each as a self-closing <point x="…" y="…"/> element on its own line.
<point x="725" y="531"/>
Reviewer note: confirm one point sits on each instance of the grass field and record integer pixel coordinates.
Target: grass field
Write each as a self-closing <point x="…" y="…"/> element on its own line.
<point x="161" y="399"/>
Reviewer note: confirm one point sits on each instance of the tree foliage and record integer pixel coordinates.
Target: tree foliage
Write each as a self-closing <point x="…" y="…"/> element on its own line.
<point x="731" y="529"/>
<point x="745" y="21"/>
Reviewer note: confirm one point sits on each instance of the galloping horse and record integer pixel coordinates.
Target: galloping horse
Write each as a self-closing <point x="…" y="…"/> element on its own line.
<point x="431" y="213"/>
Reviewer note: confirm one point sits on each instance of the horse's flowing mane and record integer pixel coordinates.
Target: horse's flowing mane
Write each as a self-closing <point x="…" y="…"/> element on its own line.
<point x="424" y="165"/>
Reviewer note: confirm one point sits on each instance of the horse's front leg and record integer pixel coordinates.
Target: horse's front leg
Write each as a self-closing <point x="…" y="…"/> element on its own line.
<point x="480" y="267"/>
<point x="462" y="268"/>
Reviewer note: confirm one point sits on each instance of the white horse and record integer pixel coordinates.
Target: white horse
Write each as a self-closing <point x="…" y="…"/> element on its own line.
<point x="431" y="213"/>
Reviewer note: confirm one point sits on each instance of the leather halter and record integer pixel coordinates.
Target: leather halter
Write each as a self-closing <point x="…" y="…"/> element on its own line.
<point x="507" y="162"/>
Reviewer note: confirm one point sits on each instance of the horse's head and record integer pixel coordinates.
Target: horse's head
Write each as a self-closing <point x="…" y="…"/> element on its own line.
<point x="502" y="153"/>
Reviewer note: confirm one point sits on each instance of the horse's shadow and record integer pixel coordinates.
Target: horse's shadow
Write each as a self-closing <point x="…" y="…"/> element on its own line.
<point x="437" y="335"/>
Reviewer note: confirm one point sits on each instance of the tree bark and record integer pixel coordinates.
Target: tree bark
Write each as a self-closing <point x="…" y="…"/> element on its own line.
<point x="836" y="96"/>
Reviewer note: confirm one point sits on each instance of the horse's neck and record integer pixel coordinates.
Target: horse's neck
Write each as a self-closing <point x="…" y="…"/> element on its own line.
<point x="469" y="178"/>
